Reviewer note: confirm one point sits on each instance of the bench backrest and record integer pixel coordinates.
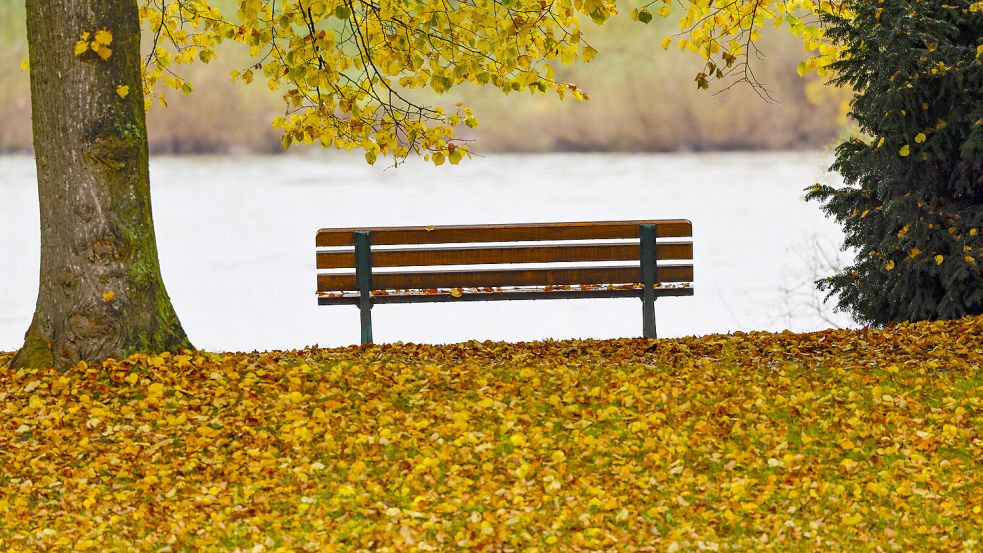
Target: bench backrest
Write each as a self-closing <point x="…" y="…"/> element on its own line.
<point x="491" y="247"/>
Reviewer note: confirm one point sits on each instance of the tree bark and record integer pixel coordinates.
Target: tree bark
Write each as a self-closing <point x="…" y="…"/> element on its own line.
<point x="101" y="292"/>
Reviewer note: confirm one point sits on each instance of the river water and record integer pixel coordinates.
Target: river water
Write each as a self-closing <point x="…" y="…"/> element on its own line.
<point x="236" y="238"/>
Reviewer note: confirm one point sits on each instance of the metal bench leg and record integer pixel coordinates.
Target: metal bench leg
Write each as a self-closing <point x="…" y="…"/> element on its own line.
<point x="363" y="276"/>
<point x="650" y="273"/>
<point x="365" y="314"/>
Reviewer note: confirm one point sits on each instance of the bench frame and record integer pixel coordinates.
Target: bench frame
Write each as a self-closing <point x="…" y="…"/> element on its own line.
<point x="649" y="278"/>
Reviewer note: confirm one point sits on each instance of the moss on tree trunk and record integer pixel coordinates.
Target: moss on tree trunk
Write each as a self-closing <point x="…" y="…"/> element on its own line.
<point x="101" y="293"/>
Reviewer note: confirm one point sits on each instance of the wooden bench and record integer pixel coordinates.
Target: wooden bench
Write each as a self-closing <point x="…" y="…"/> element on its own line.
<point x="577" y="246"/>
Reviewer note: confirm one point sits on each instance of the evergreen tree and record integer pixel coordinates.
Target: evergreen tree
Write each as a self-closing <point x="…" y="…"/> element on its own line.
<point x="912" y="204"/>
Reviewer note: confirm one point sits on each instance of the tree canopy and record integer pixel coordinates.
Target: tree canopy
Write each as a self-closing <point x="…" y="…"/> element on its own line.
<point x="347" y="69"/>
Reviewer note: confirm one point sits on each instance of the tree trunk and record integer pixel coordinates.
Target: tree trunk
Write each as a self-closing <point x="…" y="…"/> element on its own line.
<point x="101" y="292"/>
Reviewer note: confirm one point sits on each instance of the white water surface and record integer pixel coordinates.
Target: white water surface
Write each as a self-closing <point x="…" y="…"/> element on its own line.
<point x="236" y="239"/>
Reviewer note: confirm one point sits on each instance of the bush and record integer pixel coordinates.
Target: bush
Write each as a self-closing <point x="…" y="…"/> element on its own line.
<point x="912" y="206"/>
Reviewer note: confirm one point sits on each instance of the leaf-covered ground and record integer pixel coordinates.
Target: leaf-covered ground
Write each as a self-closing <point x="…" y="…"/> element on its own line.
<point x="838" y="440"/>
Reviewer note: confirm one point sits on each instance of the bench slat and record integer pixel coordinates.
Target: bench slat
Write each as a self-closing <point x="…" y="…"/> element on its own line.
<point x="508" y="295"/>
<point x="506" y="277"/>
<point x="383" y="236"/>
<point x="345" y="259"/>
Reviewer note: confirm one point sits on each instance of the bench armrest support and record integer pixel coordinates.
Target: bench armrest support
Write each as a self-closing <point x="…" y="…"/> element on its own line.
<point x="363" y="276"/>
<point x="650" y="275"/>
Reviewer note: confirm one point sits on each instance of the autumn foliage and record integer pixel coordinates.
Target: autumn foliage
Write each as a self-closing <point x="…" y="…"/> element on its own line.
<point x="827" y="441"/>
<point x="348" y="72"/>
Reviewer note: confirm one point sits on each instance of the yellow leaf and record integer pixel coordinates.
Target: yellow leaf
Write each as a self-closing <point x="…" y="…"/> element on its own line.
<point x="104" y="52"/>
<point x="851" y="520"/>
<point x="455" y="156"/>
<point x="485" y="403"/>
<point x="879" y="489"/>
<point x="355" y="471"/>
<point x="889" y="265"/>
<point x="920" y="137"/>
<point x="122" y="91"/>
<point x="109" y="296"/>
<point x="905" y="151"/>
<point x="589" y="53"/>
<point x="456" y="292"/>
<point x="939" y="259"/>
<point x="104" y="37"/>
<point x="81" y="47"/>
<point x="25" y="65"/>
<point x="155" y="390"/>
